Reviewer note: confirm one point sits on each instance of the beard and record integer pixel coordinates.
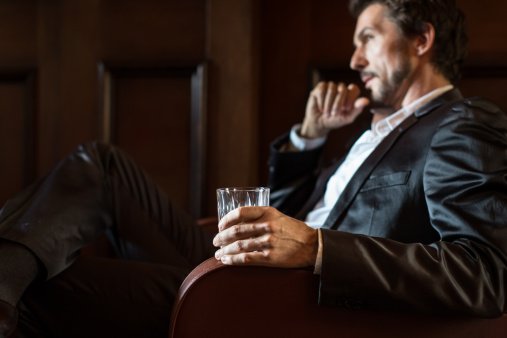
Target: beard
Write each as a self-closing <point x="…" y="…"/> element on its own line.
<point x="388" y="91"/>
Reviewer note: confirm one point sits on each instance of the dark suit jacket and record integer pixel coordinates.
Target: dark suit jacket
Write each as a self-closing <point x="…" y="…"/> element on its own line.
<point x="423" y="223"/>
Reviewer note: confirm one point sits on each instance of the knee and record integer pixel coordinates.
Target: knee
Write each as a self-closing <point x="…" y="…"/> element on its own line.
<point x="104" y="155"/>
<point x="92" y="146"/>
<point x="93" y="152"/>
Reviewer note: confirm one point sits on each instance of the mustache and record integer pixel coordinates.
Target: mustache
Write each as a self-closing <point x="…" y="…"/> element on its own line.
<point x="365" y="73"/>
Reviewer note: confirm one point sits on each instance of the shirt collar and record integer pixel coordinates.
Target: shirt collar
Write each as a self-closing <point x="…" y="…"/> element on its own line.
<point x="386" y="125"/>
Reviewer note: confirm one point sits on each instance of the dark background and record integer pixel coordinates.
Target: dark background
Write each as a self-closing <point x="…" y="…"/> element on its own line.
<point x="194" y="90"/>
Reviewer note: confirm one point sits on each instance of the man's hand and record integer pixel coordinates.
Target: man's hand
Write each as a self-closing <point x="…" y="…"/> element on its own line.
<point x="265" y="236"/>
<point x="331" y="106"/>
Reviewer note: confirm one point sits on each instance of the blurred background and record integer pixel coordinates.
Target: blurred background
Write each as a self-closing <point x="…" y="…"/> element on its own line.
<point x="193" y="90"/>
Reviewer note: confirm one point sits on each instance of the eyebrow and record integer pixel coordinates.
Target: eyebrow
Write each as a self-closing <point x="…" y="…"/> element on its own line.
<point x="361" y="34"/>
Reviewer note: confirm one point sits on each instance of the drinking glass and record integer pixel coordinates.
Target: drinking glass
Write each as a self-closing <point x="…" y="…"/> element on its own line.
<point x="229" y="199"/>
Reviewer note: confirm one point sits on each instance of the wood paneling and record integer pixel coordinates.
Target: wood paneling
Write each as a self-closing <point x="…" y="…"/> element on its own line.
<point x="18" y="32"/>
<point x="153" y="84"/>
<point x="158" y="116"/>
<point x="18" y="46"/>
<point x="486" y="81"/>
<point x="152" y="30"/>
<point x="17" y="132"/>
<point x="260" y="57"/>
<point x="234" y="82"/>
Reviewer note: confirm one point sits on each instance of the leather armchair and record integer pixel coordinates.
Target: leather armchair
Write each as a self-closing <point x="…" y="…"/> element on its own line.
<point x="228" y="301"/>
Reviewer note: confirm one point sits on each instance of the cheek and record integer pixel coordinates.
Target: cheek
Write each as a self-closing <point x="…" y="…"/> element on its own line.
<point x="389" y="64"/>
<point x="376" y="58"/>
<point x="373" y="53"/>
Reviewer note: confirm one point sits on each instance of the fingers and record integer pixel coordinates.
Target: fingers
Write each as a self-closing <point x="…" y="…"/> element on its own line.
<point x="340" y="100"/>
<point x="254" y="244"/>
<point x="336" y="99"/>
<point x="345" y="99"/>
<point x="243" y="244"/>
<point x="318" y="95"/>
<point x="331" y="91"/>
<point x="244" y="235"/>
<point x="241" y="215"/>
<point x="361" y="103"/>
<point x="240" y="232"/>
<point x="352" y="95"/>
<point x="273" y="239"/>
<point x="250" y="258"/>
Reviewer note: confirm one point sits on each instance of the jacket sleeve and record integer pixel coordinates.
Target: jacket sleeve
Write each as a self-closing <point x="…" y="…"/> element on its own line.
<point x="465" y="185"/>
<point x="292" y="176"/>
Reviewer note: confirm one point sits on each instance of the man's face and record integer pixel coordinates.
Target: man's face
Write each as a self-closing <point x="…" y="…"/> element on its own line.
<point x="381" y="56"/>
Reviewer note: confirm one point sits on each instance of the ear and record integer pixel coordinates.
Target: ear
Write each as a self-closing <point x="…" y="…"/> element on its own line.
<point x="424" y="41"/>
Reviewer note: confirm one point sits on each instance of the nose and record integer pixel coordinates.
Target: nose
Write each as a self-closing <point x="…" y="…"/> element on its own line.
<point x="358" y="60"/>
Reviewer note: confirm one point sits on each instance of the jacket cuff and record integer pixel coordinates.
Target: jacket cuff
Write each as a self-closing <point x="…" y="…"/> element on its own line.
<point x="318" y="261"/>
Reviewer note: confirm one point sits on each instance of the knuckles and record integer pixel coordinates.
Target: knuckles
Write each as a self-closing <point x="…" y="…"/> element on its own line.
<point x="269" y="241"/>
<point x="240" y="245"/>
<point x="236" y="230"/>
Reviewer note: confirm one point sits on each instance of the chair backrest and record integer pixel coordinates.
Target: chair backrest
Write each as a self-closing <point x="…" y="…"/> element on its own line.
<point x="248" y="302"/>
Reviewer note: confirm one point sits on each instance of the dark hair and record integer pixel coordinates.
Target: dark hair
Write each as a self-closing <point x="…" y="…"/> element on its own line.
<point x="411" y="16"/>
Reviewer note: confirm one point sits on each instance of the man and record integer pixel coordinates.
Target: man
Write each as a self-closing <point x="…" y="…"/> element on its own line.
<point x="420" y="202"/>
<point x="413" y="217"/>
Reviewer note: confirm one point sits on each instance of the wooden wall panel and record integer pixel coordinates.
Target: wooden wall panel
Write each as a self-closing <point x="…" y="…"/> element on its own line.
<point x="157" y="116"/>
<point x="485" y="69"/>
<point x="485" y="81"/>
<point x="66" y="42"/>
<point x="234" y="123"/>
<point x="17" y="132"/>
<point x="75" y="119"/>
<point x="486" y="30"/>
<point x="152" y="30"/>
<point x="260" y="57"/>
<point x="18" y="48"/>
<point x="154" y="105"/>
<point x="18" y="33"/>
<point x="161" y="125"/>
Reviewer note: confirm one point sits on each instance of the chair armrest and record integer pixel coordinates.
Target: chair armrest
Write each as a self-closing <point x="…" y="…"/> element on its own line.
<point x="231" y="301"/>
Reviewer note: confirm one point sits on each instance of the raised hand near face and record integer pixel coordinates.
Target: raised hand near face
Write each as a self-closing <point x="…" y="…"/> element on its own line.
<point x="331" y="106"/>
<point x="264" y="236"/>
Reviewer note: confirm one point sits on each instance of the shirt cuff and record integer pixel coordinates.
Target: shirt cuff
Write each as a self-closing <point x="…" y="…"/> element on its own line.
<point x="318" y="261"/>
<point x="301" y="143"/>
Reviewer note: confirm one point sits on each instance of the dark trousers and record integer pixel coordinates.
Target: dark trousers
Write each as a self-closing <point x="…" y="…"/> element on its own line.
<point x="97" y="189"/>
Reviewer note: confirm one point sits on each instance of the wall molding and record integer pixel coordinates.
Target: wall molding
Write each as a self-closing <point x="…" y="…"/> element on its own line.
<point x="109" y="73"/>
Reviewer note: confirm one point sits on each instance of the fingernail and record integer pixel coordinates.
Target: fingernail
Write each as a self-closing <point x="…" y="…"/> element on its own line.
<point x="225" y="259"/>
<point x="218" y="254"/>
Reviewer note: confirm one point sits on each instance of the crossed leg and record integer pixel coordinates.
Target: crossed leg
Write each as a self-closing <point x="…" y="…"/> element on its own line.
<point x="99" y="189"/>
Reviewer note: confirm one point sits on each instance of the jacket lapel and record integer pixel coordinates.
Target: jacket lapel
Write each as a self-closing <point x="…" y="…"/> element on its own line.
<point x="370" y="163"/>
<point x="319" y="190"/>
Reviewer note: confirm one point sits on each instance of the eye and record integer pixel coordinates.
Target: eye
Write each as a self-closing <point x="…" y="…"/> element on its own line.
<point x="367" y="37"/>
<point x="364" y="37"/>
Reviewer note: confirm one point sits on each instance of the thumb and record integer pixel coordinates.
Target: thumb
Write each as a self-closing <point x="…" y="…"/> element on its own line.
<point x="359" y="106"/>
<point x="361" y="103"/>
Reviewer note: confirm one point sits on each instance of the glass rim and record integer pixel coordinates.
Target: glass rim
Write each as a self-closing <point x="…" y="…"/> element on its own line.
<point x="243" y="189"/>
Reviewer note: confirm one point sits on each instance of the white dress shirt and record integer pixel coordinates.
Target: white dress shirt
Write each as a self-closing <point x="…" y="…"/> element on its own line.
<point x="361" y="149"/>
